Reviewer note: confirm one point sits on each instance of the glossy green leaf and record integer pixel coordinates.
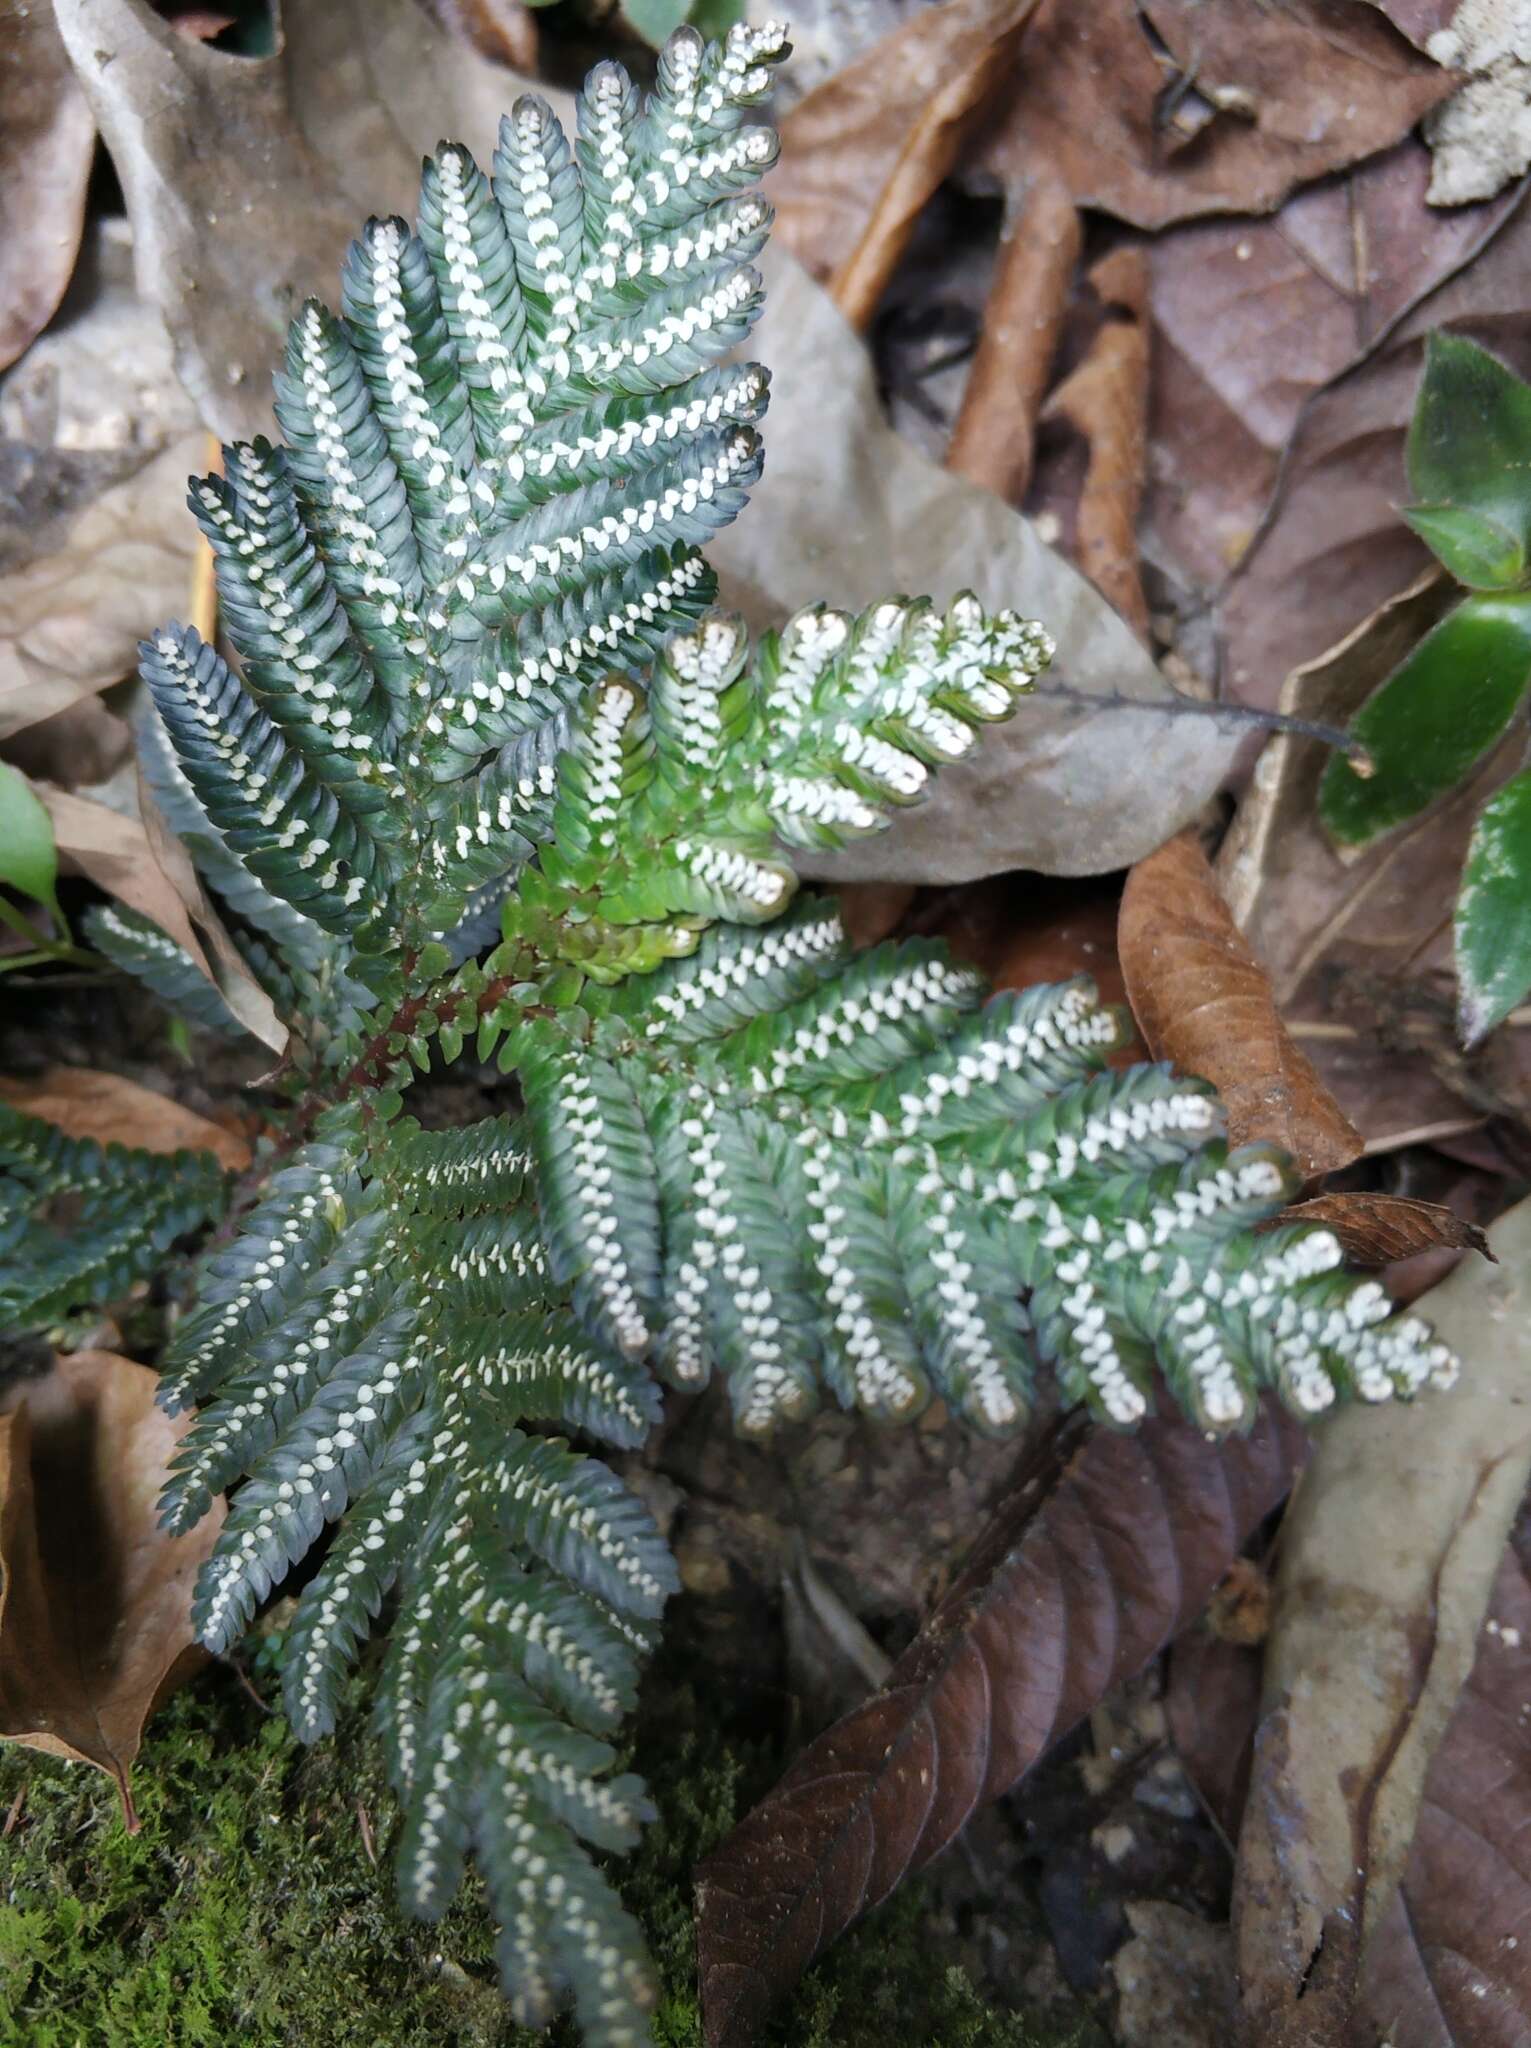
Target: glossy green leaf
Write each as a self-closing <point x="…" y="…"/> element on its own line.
<point x="1477" y="550"/>
<point x="1493" y="920"/>
<point x="1470" y="438"/>
<point x="1433" y="718"/>
<point x="28" y="854"/>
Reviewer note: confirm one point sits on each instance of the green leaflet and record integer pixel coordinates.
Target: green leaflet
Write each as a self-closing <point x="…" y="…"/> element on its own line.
<point x="1469" y="461"/>
<point x="490" y="772"/>
<point x="1493" y="920"/>
<point x="1435" y="716"/>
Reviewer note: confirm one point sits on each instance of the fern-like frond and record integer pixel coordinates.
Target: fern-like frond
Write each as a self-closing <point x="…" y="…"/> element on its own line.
<point x="80" y="1222"/>
<point x="489" y="771"/>
<point x="138" y="946"/>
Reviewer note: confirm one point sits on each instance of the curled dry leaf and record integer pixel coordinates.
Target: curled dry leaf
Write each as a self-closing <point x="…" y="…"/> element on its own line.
<point x="928" y="153"/>
<point x="1110" y="759"/>
<point x="113" y="1111"/>
<point x="1377" y="1229"/>
<point x="45" y="153"/>
<point x="119" y="856"/>
<point x="1370" y="1645"/>
<point x="1105" y="400"/>
<point x="993" y="441"/>
<point x="95" y="1601"/>
<point x="1108" y="1547"/>
<point x="1450" y="1963"/>
<point x="1259" y="100"/>
<point x="245" y="178"/>
<point x="1202" y="1000"/>
<point x="843" y="144"/>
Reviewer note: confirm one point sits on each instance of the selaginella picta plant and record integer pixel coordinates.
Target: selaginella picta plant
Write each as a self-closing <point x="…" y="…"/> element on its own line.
<point x="492" y="772"/>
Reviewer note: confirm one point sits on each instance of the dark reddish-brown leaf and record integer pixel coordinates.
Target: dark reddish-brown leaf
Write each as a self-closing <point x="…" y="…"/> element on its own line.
<point x="1202" y="1000"/>
<point x="1376" y="1229"/>
<point x="501" y="30"/>
<point x="46" y="142"/>
<point x="1450" y="1964"/>
<point x="1279" y="95"/>
<point x="1211" y="1705"/>
<point x="95" y="1599"/>
<point x="1107" y="1549"/>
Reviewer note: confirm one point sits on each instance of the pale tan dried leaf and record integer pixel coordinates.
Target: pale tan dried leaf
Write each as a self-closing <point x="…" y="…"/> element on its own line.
<point x="1387" y="1558"/>
<point x="1203" y="1000"/>
<point x="245" y="179"/>
<point x="113" y="1111"/>
<point x="1098" y="766"/>
<point x="95" y="1601"/>
<point x="71" y="621"/>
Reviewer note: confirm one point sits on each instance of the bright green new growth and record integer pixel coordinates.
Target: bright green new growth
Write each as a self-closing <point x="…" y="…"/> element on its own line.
<point x="479" y="666"/>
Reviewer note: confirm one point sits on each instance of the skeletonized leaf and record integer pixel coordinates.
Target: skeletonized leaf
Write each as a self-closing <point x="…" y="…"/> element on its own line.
<point x="1202" y="1000"/>
<point x="1107" y="1548"/>
<point x="95" y="1601"/>
<point x="1493" y="917"/>
<point x="1376" y="1229"/>
<point x="1387" y="1558"/>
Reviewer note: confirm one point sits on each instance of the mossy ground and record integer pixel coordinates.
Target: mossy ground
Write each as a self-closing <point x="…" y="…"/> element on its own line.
<point x="248" y="1907"/>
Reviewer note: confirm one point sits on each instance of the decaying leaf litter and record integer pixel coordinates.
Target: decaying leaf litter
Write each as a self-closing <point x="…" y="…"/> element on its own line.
<point x="1142" y="291"/>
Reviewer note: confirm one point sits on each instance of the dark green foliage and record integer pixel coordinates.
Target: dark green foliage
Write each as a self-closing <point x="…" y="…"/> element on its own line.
<point x="80" y="1222"/>
<point x="477" y="667"/>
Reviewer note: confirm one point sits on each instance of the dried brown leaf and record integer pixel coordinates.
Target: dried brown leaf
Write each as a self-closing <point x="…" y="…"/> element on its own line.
<point x="1450" y="1963"/>
<point x="1329" y="546"/>
<point x="113" y="1111"/>
<point x="1211" y="1706"/>
<point x="95" y="1601"/>
<point x="943" y="122"/>
<point x="1388" y="1555"/>
<point x="1376" y="1229"/>
<point x="843" y="144"/>
<point x="501" y="30"/>
<point x="46" y="144"/>
<point x="1105" y="399"/>
<point x="1202" y="1000"/>
<point x="246" y="178"/>
<point x="1282" y="95"/>
<point x="120" y="856"/>
<point x="71" y="621"/>
<point x="1251" y="320"/>
<point x="1107" y="1548"/>
<point x="992" y="442"/>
